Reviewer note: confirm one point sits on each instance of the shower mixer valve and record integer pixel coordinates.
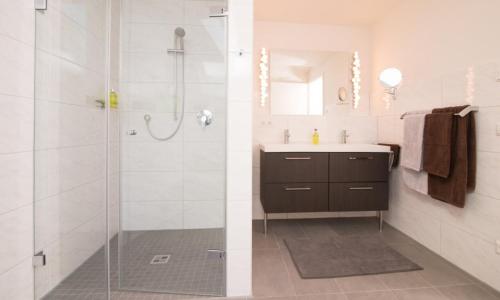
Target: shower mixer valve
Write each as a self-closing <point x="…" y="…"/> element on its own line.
<point x="205" y="118"/>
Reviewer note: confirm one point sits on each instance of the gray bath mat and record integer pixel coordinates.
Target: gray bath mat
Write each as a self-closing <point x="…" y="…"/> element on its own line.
<point x="346" y="256"/>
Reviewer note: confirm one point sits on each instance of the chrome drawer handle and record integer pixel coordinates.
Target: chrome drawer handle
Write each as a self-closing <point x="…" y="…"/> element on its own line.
<point x="298" y="158"/>
<point x="360" y="158"/>
<point x="361" y="188"/>
<point x="298" y="189"/>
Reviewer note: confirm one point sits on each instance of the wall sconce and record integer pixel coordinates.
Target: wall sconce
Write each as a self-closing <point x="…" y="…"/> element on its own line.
<point x="390" y="79"/>
<point x="264" y="77"/>
<point x="356" y="79"/>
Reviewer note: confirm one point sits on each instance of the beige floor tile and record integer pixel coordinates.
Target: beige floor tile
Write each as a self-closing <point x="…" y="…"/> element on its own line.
<point x="261" y="241"/>
<point x="419" y="294"/>
<point x="323" y="297"/>
<point x="367" y="283"/>
<point x="270" y="276"/>
<point x="404" y="280"/>
<point x="381" y="295"/>
<point x="466" y="292"/>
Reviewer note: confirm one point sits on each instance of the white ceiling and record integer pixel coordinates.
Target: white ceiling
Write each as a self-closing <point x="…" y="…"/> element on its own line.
<point x="328" y="12"/>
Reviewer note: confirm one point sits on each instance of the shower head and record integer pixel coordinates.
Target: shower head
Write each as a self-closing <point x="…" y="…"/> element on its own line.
<point x="180" y="32"/>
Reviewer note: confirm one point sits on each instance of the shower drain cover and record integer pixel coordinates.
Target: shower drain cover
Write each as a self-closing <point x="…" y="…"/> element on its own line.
<point x="160" y="259"/>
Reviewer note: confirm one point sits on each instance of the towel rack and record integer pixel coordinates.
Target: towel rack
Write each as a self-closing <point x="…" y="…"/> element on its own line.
<point x="463" y="113"/>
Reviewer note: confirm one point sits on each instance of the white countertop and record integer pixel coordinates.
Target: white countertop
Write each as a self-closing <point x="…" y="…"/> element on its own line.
<point x="324" y="148"/>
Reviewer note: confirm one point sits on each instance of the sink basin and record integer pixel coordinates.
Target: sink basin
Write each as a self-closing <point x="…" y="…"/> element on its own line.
<point x="324" y="148"/>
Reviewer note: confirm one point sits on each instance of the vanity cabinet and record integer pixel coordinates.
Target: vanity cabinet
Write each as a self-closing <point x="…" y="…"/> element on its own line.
<point x="324" y="181"/>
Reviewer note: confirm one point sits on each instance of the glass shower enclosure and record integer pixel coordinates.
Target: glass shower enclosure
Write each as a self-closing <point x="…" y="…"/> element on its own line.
<point x="130" y="148"/>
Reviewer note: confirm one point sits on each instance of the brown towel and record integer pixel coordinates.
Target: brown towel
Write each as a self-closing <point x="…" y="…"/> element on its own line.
<point x="462" y="156"/>
<point x="437" y="143"/>
<point x="395" y="149"/>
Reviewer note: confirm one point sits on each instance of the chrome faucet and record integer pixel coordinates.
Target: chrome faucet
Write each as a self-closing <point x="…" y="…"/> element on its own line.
<point x="344" y="136"/>
<point x="286" y="136"/>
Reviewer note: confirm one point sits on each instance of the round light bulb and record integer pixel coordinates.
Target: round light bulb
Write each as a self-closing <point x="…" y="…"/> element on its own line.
<point x="390" y="78"/>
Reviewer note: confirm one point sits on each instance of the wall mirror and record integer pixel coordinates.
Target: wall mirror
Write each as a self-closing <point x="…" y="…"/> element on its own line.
<point x="303" y="82"/>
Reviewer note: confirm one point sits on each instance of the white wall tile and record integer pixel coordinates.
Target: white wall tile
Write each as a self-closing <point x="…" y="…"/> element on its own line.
<point x="62" y="213"/>
<point x="16" y="232"/>
<point x="154" y="11"/>
<point x="204" y="185"/>
<point x="16" y="180"/>
<point x="472" y="254"/>
<point x="240" y="84"/>
<point x="239" y="273"/>
<point x="197" y="12"/>
<point x="211" y="96"/>
<point x="487" y="181"/>
<point x="239" y="225"/>
<point x="240" y="36"/>
<point x="17" y="113"/>
<point x="200" y="156"/>
<point x="16" y="74"/>
<point x="17" y="283"/>
<point x="204" y="68"/>
<point x="152" y="156"/>
<point x="203" y="214"/>
<point x="20" y="13"/>
<point x="239" y="126"/>
<point x="152" y="215"/>
<point x="239" y="176"/>
<point x="151" y="186"/>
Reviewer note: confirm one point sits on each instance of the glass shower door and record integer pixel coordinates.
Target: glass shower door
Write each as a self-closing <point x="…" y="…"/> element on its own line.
<point x="173" y="147"/>
<point x="70" y="150"/>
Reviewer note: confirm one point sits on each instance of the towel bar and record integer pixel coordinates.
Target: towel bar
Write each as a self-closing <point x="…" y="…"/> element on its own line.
<point x="463" y="113"/>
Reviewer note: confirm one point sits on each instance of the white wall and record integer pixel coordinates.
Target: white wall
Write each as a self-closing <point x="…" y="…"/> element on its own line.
<point x="16" y="144"/>
<point x="239" y="149"/>
<point x="175" y="184"/>
<point x="269" y="128"/>
<point x="438" y="45"/>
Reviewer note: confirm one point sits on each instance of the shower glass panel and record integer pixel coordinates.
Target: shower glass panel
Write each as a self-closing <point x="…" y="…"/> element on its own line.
<point x="172" y="147"/>
<point x="70" y="150"/>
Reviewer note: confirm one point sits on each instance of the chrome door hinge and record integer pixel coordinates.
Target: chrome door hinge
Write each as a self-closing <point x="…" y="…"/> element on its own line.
<point x="216" y="253"/>
<point x="41" y="4"/>
<point x="219" y="13"/>
<point x="39" y="259"/>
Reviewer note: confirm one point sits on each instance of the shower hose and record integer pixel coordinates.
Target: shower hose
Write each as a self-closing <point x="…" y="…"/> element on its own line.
<point x="147" y="118"/>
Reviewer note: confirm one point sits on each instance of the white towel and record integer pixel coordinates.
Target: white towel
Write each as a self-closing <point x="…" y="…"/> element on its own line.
<point x="413" y="141"/>
<point x="412" y="151"/>
<point x="417" y="181"/>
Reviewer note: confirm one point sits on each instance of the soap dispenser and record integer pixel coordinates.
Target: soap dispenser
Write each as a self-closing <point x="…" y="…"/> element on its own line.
<point x="315" y="137"/>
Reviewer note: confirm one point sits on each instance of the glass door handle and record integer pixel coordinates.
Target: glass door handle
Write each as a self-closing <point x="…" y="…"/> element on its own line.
<point x="205" y="118"/>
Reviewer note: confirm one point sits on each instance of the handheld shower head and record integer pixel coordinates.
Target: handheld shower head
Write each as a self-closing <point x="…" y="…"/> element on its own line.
<point x="180" y="32"/>
<point x="179" y="37"/>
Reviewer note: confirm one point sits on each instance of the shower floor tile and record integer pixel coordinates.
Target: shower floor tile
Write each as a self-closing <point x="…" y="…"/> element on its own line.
<point x="189" y="270"/>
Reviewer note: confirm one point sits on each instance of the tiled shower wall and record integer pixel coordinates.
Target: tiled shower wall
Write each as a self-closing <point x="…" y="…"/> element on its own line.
<point x="450" y="58"/>
<point x="179" y="183"/>
<point x="16" y="144"/>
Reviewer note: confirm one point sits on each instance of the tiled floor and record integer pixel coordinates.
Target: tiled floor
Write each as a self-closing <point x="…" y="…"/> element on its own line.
<point x="190" y="269"/>
<point x="274" y="274"/>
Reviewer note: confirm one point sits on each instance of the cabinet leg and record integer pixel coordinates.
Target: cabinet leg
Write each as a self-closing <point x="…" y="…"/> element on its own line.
<point x="380" y="220"/>
<point x="265" y="223"/>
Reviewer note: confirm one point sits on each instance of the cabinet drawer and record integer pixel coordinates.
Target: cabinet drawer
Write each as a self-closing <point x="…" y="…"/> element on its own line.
<point x="296" y="197"/>
<point x="359" y="196"/>
<point x="294" y="167"/>
<point x="359" y="167"/>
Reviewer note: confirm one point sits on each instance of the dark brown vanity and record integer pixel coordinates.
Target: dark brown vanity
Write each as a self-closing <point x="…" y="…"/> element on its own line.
<point x="324" y="181"/>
